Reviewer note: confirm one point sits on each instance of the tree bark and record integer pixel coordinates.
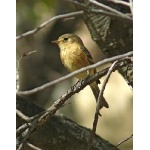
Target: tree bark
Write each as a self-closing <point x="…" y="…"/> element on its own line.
<point x="58" y="133"/>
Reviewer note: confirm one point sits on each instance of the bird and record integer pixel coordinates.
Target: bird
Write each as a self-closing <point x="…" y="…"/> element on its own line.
<point x="74" y="55"/>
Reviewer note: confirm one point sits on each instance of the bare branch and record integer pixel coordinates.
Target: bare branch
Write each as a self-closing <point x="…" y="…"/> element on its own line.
<point x="24" y="55"/>
<point x="64" y="16"/>
<point x="126" y="139"/>
<point x="130" y="4"/>
<point x="80" y="133"/>
<point x="104" y="85"/>
<point x="40" y="88"/>
<point x="98" y="11"/>
<point x="99" y="101"/>
<point x="20" y="146"/>
<point x="18" y="65"/>
<point x="33" y="146"/>
<point x="22" y="128"/>
<point x="109" y="9"/>
<point x="21" y="115"/>
<point x="26" y="136"/>
<point x="120" y="2"/>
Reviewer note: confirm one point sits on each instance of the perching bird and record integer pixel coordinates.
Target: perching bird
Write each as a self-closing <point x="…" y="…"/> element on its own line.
<point x="74" y="56"/>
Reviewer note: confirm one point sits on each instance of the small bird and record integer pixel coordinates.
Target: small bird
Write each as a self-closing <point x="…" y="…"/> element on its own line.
<point x="74" y="56"/>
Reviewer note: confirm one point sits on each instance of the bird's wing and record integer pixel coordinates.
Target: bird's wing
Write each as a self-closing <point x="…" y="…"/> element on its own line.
<point x="89" y="57"/>
<point x="90" y="60"/>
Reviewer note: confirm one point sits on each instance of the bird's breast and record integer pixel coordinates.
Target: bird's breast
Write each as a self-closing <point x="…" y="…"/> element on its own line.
<point x="74" y="59"/>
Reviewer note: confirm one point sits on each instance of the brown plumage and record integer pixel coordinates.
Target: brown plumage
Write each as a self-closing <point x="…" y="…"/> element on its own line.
<point x="74" y="56"/>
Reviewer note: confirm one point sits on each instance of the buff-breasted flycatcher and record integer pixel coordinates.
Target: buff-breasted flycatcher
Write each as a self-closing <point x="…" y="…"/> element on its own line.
<point x="74" y="56"/>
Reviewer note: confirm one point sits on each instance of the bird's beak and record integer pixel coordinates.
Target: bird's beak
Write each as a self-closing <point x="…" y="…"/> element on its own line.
<point x="56" y="42"/>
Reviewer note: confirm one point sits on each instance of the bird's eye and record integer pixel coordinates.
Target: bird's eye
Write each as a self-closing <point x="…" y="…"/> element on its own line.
<point x="65" y="39"/>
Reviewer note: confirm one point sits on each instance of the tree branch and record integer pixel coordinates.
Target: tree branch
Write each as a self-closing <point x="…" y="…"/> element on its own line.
<point x="120" y="2"/>
<point x="110" y="9"/>
<point x="126" y="139"/>
<point x="124" y="3"/>
<point x="105" y="61"/>
<point x="21" y="115"/>
<point x="58" y="132"/>
<point x="33" y="146"/>
<point x="111" y="69"/>
<point x="100" y="11"/>
<point x="72" y="14"/>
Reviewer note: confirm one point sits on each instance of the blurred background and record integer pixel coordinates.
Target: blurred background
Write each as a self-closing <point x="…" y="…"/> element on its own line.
<point x="44" y="66"/>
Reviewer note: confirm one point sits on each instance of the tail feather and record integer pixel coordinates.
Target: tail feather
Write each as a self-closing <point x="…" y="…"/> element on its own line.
<point x="96" y="90"/>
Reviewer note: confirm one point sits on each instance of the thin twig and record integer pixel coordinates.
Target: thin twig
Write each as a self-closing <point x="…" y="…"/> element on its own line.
<point x="33" y="146"/>
<point x="25" y="136"/>
<point x="99" y="101"/>
<point x="104" y="86"/>
<point x="22" y="128"/>
<point x="18" y="65"/>
<point x="98" y="11"/>
<point x="131" y="6"/>
<point x="120" y="2"/>
<point x="40" y="88"/>
<point x="72" y="14"/>
<point x="109" y="9"/>
<point x="20" y="146"/>
<point x="126" y="139"/>
<point x="24" y="55"/>
<point x="22" y="116"/>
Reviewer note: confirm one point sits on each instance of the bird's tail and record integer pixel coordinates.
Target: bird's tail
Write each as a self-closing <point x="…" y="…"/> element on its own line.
<point x="96" y="90"/>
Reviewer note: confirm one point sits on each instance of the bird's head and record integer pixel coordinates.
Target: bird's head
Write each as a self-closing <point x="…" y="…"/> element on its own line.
<point x="68" y="40"/>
